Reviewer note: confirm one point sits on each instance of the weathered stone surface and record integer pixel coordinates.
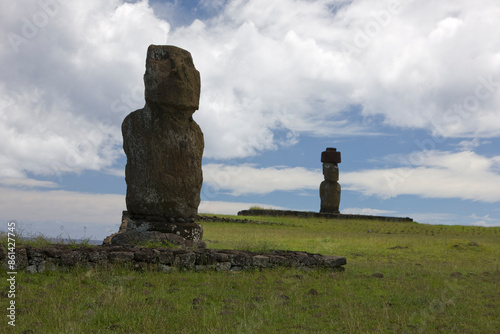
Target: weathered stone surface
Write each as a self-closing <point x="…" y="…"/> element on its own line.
<point x="139" y="231"/>
<point x="73" y="258"/>
<point x="168" y="260"/>
<point x="121" y="257"/>
<point x="21" y="258"/>
<point x="186" y="260"/>
<point x="129" y="238"/>
<point x="98" y="256"/>
<point x="171" y="78"/>
<point x="332" y="261"/>
<point x="330" y="155"/>
<point x="329" y="189"/>
<point x="260" y="261"/>
<point x="146" y="255"/>
<point x="190" y="231"/>
<point x="48" y="265"/>
<point x="163" y="143"/>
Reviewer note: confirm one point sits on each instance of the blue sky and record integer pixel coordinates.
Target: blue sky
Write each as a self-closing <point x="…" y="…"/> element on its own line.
<point x="407" y="90"/>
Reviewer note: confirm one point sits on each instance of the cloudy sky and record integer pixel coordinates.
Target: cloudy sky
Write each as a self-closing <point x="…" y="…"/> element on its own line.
<point x="407" y="90"/>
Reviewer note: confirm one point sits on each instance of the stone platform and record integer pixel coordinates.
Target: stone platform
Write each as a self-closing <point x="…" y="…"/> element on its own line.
<point x="309" y="214"/>
<point x="54" y="257"/>
<point x="138" y="229"/>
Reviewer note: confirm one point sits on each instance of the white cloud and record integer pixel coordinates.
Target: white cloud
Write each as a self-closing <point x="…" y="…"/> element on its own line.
<point x="469" y="145"/>
<point x="72" y="70"/>
<point x="271" y="71"/>
<point x="46" y="211"/>
<point x="246" y="179"/>
<point x="300" y="66"/>
<point x="430" y="68"/>
<point x="264" y="71"/>
<point x="432" y="174"/>
<point x="453" y="219"/>
<point x="367" y="211"/>
<point x="27" y="183"/>
<point x="485" y="220"/>
<point x="61" y="205"/>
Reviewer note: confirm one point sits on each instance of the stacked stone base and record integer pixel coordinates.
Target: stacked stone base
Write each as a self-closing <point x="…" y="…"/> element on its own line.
<point x="139" y="230"/>
<point x="54" y="257"/>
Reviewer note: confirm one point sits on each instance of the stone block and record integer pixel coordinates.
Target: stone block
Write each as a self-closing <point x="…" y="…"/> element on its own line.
<point x="186" y="261"/>
<point x="260" y="261"/>
<point x="73" y="258"/>
<point x="121" y="257"/>
<point x="330" y="155"/>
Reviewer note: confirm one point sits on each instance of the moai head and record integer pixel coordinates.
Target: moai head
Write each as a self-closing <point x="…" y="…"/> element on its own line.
<point x="171" y="79"/>
<point x="331" y="171"/>
<point x="330" y="159"/>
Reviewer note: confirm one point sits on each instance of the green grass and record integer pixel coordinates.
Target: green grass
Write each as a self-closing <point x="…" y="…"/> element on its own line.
<point x="36" y="239"/>
<point x="399" y="278"/>
<point x="256" y="207"/>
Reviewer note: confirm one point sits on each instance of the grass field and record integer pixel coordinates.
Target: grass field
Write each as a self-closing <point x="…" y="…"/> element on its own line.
<point x="399" y="278"/>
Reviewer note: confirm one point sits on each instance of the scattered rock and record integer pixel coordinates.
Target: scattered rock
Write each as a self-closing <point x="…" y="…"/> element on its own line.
<point x="115" y="327"/>
<point x="378" y="275"/>
<point x="313" y="292"/>
<point x="398" y="247"/>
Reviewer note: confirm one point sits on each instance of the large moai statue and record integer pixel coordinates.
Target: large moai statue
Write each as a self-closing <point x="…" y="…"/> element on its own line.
<point x="329" y="190"/>
<point x="163" y="144"/>
<point x="164" y="148"/>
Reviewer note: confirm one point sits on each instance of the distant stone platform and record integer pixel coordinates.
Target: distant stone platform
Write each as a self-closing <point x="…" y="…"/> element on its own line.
<point x="310" y="214"/>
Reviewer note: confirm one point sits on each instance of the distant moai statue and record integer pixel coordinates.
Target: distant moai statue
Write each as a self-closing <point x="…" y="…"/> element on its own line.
<point x="329" y="190"/>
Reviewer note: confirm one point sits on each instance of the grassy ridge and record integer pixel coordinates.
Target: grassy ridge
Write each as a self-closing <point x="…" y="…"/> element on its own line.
<point x="400" y="278"/>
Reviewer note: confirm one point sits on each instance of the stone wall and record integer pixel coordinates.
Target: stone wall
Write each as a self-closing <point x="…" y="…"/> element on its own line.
<point x="54" y="257"/>
<point x="309" y="214"/>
